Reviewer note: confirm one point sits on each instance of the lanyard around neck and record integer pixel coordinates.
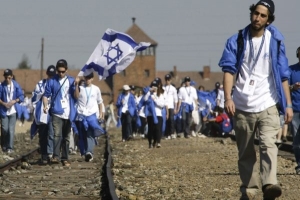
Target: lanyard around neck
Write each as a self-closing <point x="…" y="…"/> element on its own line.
<point x="187" y="91"/>
<point x="87" y="95"/>
<point x="255" y="59"/>
<point x="8" y="90"/>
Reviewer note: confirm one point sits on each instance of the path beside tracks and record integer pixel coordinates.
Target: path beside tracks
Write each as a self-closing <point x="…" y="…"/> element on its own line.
<point x="195" y="168"/>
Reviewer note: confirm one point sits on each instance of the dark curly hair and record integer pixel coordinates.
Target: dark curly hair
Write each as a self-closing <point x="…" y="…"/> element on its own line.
<point x="271" y="17"/>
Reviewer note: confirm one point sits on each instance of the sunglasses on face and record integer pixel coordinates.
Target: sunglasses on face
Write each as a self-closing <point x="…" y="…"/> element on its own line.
<point x="61" y="72"/>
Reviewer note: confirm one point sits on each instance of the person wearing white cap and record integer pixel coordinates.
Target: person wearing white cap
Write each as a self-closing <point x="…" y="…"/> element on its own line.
<point x="126" y="110"/>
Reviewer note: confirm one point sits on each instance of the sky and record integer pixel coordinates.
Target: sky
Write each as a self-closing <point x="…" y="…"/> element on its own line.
<point x="190" y="33"/>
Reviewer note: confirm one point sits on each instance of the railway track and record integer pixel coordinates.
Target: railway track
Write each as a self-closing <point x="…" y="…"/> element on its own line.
<point x="25" y="178"/>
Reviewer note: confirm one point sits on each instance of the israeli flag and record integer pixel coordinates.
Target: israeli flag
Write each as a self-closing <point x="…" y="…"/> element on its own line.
<point x="113" y="54"/>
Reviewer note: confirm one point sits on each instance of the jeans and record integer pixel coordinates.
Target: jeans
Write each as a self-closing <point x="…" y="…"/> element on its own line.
<point x="62" y="131"/>
<point x="111" y="117"/>
<point x="46" y="134"/>
<point x="8" y="124"/>
<point x="126" y="125"/>
<point x="296" y="137"/>
<point x="199" y="127"/>
<point x="89" y="140"/>
<point x="187" y="122"/>
<point x="170" y="125"/>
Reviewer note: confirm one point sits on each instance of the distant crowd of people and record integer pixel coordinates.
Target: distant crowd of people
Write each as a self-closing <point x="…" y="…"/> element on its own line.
<point x="161" y="110"/>
<point x="259" y="97"/>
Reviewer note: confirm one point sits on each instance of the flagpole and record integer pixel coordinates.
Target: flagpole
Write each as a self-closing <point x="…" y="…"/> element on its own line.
<point x="42" y="58"/>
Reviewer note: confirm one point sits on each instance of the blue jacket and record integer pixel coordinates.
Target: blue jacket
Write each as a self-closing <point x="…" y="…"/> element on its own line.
<point x="280" y="67"/>
<point x="17" y="93"/>
<point x="295" y="77"/>
<point x="52" y="88"/>
<point x="131" y="106"/>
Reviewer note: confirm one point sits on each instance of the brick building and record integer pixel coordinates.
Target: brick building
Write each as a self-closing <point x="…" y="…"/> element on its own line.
<point x="140" y="73"/>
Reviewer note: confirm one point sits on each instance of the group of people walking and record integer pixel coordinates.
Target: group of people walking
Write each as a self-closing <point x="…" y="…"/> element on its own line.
<point x="258" y="86"/>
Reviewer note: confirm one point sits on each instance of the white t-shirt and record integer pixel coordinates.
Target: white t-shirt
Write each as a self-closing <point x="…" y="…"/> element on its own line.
<point x="10" y="91"/>
<point x="125" y="104"/>
<point x="89" y="100"/>
<point x="188" y="95"/>
<point x="221" y="98"/>
<point x="265" y="92"/>
<point x="170" y="94"/>
<point x="65" y="97"/>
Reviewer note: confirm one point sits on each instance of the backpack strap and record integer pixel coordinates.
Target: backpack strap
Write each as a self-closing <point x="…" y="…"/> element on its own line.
<point x="240" y="48"/>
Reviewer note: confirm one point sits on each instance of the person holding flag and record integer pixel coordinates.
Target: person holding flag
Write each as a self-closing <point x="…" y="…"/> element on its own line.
<point x="89" y="101"/>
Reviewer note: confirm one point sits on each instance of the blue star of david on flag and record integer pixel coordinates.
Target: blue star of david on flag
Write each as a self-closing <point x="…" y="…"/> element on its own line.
<point x="117" y="51"/>
<point x="114" y="53"/>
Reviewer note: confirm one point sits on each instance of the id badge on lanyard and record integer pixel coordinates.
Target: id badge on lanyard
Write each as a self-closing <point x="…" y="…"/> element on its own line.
<point x="64" y="103"/>
<point x="251" y="82"/>
<point x="250" y="86"/>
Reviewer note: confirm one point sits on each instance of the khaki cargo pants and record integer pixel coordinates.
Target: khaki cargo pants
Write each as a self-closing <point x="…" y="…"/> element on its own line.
<point x="268" y="125"/>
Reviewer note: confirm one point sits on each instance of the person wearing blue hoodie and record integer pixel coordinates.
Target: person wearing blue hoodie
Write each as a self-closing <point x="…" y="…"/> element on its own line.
<point x="61" y="89"/>
<point x="126" y="110"/>
<point x="11" y="96"/>
<point x="256" y="55"/>
<point x="294" y="82"/>
<point x="41" y="120"/>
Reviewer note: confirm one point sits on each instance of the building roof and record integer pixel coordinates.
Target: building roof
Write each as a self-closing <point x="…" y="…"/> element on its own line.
<point x="208" y="83"/>
<point x="139" y="35"/>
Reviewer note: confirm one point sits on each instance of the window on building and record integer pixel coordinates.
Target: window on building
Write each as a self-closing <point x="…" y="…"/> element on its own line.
<point x="147" y="73"/>
<point x="150" y="51"/>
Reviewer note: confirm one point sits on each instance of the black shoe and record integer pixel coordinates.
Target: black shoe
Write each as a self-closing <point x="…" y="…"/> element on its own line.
<point x="88" y="157"/>
<point x="43" y="162"/>
<point x="284" y="139"/>
<point x="271" y="192"/>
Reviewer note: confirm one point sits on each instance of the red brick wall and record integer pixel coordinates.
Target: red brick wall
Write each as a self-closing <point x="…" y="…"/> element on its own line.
<point x="135" y="74"/>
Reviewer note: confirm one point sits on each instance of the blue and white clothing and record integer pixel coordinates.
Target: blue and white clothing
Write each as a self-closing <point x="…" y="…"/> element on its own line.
<point x="278" y="70"/>
<point x="61" y="92"/>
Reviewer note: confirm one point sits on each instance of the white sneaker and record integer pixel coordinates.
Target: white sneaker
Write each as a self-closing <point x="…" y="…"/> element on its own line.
<point x="202" y="136"/>
<point x="123" y="140"/>
<point x="169" y="137"/>
<point x="20" y="124"/>
<point x="142" y="136"/>
<point x="193" y="134"/>
<point x="278" y="141"/>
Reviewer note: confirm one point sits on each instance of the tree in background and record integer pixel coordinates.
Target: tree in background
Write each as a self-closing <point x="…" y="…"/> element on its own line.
<point x="24" y="64"/>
